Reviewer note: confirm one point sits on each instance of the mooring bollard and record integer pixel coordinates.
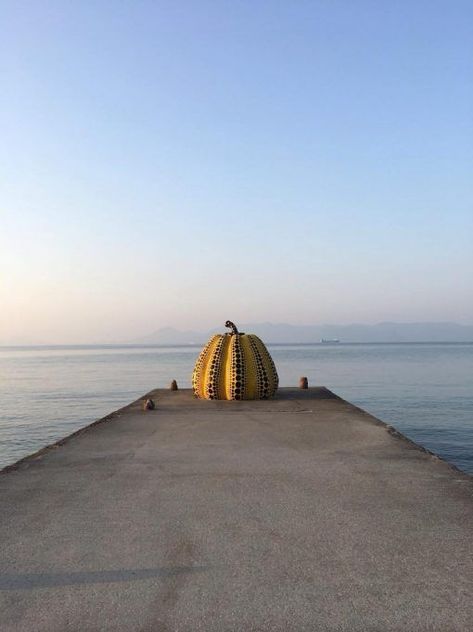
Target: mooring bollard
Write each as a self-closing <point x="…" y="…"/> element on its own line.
<point x="174" y="386"/>
<point x="303" y="382"/>
<point x="149" y="405"/>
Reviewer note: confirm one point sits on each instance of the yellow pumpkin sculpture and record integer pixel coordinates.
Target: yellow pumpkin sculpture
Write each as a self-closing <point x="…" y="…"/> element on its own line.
<point x="234" y="366"/>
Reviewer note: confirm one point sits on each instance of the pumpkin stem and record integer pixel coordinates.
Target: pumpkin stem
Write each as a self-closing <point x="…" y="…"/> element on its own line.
<point x="232" y="327"/>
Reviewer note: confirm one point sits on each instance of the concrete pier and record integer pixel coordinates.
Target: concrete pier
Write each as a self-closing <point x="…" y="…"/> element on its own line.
<point x="298" y="513"/>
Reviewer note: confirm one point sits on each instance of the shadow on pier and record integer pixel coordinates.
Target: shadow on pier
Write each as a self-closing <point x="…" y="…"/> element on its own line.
<point x="30" y="581"/>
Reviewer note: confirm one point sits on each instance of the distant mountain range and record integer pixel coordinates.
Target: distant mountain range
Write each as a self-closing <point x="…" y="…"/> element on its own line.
<point x="283" y="333"/>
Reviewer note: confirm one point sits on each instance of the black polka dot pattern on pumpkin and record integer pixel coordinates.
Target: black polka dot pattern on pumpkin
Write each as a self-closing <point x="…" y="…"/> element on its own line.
<point x="268" y="380"/>
<point x="199" y="369"/>
<point x="212" y="385"/>
<point x="247" y="365"/>
<point x="237" y="369"/>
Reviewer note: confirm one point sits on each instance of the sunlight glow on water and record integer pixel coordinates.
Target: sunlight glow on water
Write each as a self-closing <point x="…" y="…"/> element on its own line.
<point x="424" y="390"/>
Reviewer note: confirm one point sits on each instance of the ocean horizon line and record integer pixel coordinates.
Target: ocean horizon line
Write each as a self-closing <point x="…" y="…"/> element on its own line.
<point x="131" y="345"/>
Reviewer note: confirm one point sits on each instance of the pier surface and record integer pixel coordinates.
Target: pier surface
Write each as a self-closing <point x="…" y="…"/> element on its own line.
<point x="299" y="513"/>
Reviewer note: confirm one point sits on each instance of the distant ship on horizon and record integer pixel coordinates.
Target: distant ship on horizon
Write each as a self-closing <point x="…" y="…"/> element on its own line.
<point x="329" y="341"/>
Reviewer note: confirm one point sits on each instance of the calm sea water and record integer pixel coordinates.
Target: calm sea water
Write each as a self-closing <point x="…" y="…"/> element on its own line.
<point x="424" y="390"/>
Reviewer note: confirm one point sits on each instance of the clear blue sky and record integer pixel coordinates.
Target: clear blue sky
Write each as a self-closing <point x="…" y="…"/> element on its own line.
<point x="181" y="163"/>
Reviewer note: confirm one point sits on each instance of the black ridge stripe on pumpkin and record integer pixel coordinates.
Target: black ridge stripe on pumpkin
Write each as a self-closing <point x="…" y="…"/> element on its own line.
<point x="267" y="358"/>
<point x="207" y="364"/>
<point x="269" y="374"/>
<point x="216" y="378"/>
<point x="243" y="371"/>
<point x="237" y="370"/>
<point x="231" y="351"/>
<point x="252" y="369"/>
<point x="199" y="369"/>
<point x="210" y="369"/>
<point x="271" y="367"/>
<point x="260" y="370"/>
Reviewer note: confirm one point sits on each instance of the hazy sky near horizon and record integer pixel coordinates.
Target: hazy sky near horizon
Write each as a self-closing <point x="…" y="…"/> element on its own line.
<point x="181" y="163"/>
